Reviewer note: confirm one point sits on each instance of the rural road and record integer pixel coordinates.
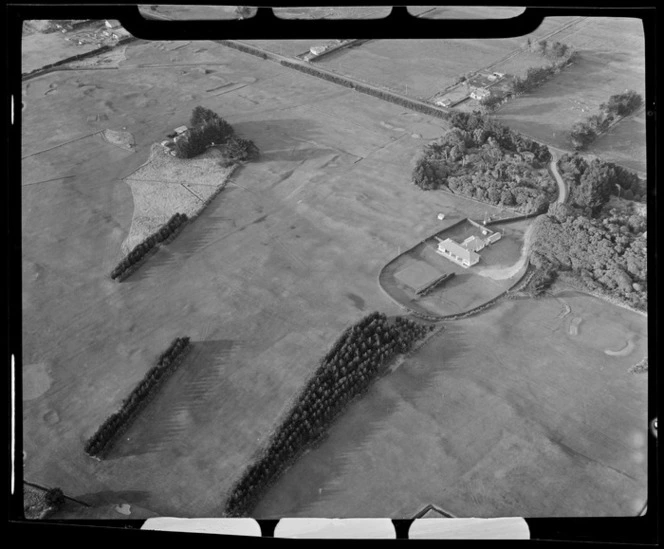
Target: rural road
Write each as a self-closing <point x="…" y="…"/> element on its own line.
<point x="562" y="187"/>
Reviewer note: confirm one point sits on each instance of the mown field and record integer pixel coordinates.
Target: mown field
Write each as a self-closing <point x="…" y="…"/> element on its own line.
<point x="611" y="59"/>
<point x="424" y="67"/>
<point x="263" y="281"/>
<point x="509" y="413"/>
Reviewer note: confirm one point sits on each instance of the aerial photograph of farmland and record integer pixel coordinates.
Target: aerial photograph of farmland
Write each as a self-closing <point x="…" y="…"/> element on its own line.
<point x="334" y="277"/>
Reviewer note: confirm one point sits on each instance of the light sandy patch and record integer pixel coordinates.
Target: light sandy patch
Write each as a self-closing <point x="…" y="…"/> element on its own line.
<point x="36" y="380"/>
<point x="124" y="509"/>
<point x="626" y="349"/>
<point x="574" y="326"/>
<point x="166" y="185"/>
<point x="501" y="273"/>
<point x="124" y="140"/>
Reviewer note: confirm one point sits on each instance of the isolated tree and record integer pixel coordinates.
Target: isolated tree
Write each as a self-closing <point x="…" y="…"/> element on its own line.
<point x="54" y="497"/>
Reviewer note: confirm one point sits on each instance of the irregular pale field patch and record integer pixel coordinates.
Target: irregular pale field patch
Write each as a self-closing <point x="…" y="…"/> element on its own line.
<point x="166" y="185"/>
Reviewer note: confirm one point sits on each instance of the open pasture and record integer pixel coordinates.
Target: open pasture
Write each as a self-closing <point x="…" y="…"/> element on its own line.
<point x="283" y="259"/>
<point x="611" y="59"/>
<point x="424" y="67"/>
<point x="502" y="414"/>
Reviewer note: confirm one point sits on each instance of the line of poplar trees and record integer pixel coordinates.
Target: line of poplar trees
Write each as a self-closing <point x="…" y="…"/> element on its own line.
<point x="345" y="371"/>
<point x="100" y="442"/>
<point x="127" y="264"/>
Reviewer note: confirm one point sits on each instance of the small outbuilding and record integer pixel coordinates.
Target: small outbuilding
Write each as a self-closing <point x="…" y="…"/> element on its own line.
<point x="480" y="93"/>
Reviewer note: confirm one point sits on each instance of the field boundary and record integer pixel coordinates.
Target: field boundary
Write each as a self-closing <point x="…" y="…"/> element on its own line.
<point x="389" y="96"/>
<point x="51" y="67"/>
<point x="150" y="395"/>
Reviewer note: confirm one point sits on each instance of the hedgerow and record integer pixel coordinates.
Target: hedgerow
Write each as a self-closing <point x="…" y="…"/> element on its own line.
<point x="346" y="371"/>
<point x="100" y="442"/>
<point x="142" y="249"/>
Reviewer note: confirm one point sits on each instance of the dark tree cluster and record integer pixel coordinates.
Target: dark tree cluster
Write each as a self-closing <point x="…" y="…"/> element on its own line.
<point x="143" y="248"/>
<point x="484" y="160"/>
<point x="102" y="439"/>
<point x="622" y="104"/>
<point x="541" y="280"/>
<point x="592" y="183"/>
<point x="559" y="56"/>
<point x="586" y="131"/>
<point x="345" y="371"/>
<point x="490" y="103"/>
<point x="208" y="129"/>
<point x="551" y="50"/>
<point x="607" y="255"/>
<point x="54" y="498"/>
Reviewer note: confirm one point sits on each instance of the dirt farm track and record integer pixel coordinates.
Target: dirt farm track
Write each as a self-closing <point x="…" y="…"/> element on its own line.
<point x="279" y="263"/>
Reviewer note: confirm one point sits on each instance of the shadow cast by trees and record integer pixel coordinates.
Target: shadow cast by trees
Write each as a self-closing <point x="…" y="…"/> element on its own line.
<point x="274" y="138"/>
<point x="183" y="401"/>
<point x="311" y="480"/>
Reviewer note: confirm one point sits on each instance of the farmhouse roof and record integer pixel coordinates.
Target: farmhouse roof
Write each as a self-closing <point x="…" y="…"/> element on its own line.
<point x="458" y="250"/>
<point x="473" y="243"/>
<point x="180" y="129"/>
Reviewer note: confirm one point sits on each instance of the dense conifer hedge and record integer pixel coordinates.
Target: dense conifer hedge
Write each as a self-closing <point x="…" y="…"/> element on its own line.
<point x="346" y="370"/>
<point x="142" y="249"/>
<point x="107" y="433"/>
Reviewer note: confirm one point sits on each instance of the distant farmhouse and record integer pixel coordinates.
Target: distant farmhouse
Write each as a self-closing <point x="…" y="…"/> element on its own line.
<point x="465" y="254"/>
<point x="480" y="93"/>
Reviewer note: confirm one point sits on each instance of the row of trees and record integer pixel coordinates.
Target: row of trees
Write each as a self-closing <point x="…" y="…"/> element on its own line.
<point x="592" y="183"/>
<point x="345" y="371"/>
<point x="375" y="92"/>
<point x="586" y="131"/>
<point x="483" y="159"/>
<point x="101" y="440"/>
<point x="131" y="260"/>
<point x="608" y="255"/>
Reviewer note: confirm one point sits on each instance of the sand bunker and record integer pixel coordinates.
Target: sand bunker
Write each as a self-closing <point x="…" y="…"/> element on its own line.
<point x="391" y="127"/>
<point x="36" y="380"/>
<point x="574" y="325"/>
<point x="626" y="349"/>
<point x="123" y="508"/>
<point x="124" y="140"/>
<point x="166" y="185"/>
<point x="566" y="308"/>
